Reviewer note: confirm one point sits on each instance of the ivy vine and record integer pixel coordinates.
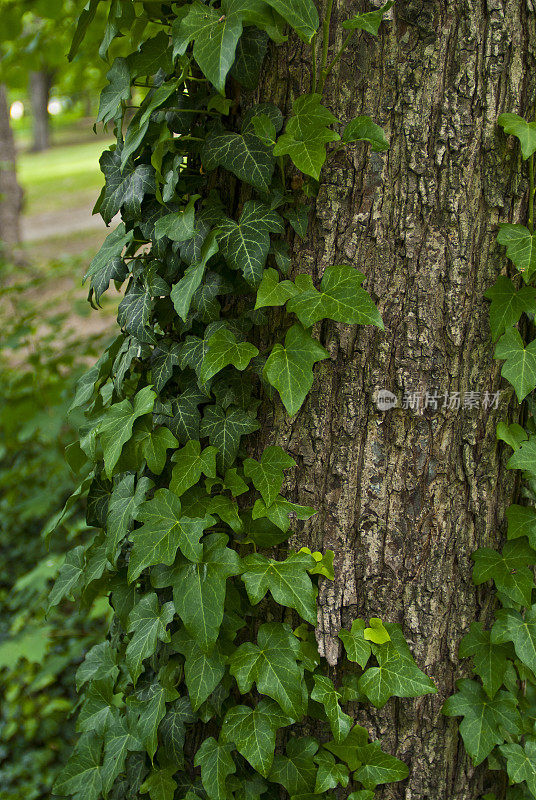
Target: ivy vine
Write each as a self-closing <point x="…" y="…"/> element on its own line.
<point x="210" y="672"/>
<point x="499" y="709"/>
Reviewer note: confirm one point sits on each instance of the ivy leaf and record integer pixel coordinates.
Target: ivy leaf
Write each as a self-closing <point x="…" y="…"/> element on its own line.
<point x="153" y="55"/>
<point x="223" y="350"/>
<point x="96" y="713"/>
<point x="117" y="90"/>
<point x="271" y="292"/>
<point x="154" y="444"/>
<point x="396" y="675"/>
<point x="190" y="464"/>
<point x="330" y="773"/>
<point x="125" y="187"/>
<point x="348" y="749"/>
<point x="525" y="456"/>
<point x="216" y="764"/>
<point x="289" y="369"/>
<point x="250" y="55"/>
<point x="522" y="522"/>
<point x="177" y="226"/>
<point x="377" y="632"/>
<point x="296" y="770"/>
<point x="225" y="428"/>
<point x="68" y="576"/>
<point x="378" y="767"/>
<point x="300" y="14"/>
<point x="288" y="582"/>
<point x="522" y="130"/>
<point x="184" y="290"/>
<point x="490" y="661"/>
<point x="267" y="475"/>
<point x="134" y="312"/>
<point x="325" y="693"/>
<point x="278" y="512"/>
<point x="199" y="589"/>
<point x="148" y="622"/>
<point x="81" y="776"/>
<point x="123" y="506"/>
<point x="163" y="532"/>
<point x="509" y="570"/>
<point x="160" y="785"/>
<point x="186" y="414"/>
<point x="172" y="731"/>
<point x="85" y="19"/>
<point x="511" y="626"/>
<point x="202" y="672"/>
<point x="514" y="435"/>
<point x="521" y="763"/>
<point x="520" y="247"/>
<point x="363" y="129"/>
<point x="253" y="732"/>
<point x="306" y="135"/>
<point x="483" y="718"/>
<point x="150" y="706"/>
<point x="245" y="244"/>
<point x="520" y="362"/>
<point x="108" y="260"/>
<point x="116" y="427"/>
<point x="369" y="21"/>
<point x="118" y="742"/>
<point x="507" y="304"/>
<point x="272" y="666"/>
<point x="341" y="298"/>
<point x="243" y="155"/>
<point x="215" y="35"/>
<point x="100" y="663"/>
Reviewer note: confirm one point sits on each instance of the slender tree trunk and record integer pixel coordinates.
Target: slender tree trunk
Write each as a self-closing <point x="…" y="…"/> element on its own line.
<point x="10" y="191"/>
<point x="40" y="84"/>
<point x="405" y="495"/>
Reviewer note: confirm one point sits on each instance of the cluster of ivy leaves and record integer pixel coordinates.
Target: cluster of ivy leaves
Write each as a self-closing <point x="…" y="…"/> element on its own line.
<point x="211" y="668"/>
<point x="499" y="705"/>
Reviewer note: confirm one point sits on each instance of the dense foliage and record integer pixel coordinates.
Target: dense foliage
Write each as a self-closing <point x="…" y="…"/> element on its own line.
<point x="499" y="709"/>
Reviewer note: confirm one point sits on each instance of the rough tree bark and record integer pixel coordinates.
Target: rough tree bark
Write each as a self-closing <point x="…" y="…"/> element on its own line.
<point x="10" y="191"/>
<point x="405" y="496"/>
<point x="40" y="84"/>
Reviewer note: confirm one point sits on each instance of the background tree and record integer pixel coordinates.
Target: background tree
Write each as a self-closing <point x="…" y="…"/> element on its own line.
<point x="10" y="191"/>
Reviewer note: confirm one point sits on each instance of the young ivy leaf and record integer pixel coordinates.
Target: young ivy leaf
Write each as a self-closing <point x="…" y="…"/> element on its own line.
<point x="224" y="349"/>
<point x="347" y="749"/>
<point x="520" y="248"/>
<point x="509" y="570"/>
<point x="514" y="435"/>
<point x="272" y="666"/>
<point x="267" y="475"/>
<point x="253" y="732"/>
<point x="190" y="464"/>
<point x="306" y="135"/>
<point x="116" y="427"/>
<point x="325" y="693"/>
<point x="369" y="21"/>
<point x="525" y="456"/>
<point x="507" y="304"/>
<point x="148" y="622"/>
<point x="522" y="130"/>
<point x="520" y="362"/>
<point x="357" y="648"/>
<point x="522" y="522"/>
<point x="271" y="292"/>
<point x="288" y="582"/>
<point x="363" y="129"/>
<point x="289" y="368"/>
<point x="216" y="764"/>
<point x="341" y="298"/>
<point x="377" y="632"/>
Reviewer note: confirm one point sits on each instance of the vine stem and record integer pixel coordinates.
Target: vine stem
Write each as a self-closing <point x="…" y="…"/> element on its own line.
<point x="325" y="45"/>
<point x="531" y="194"/>
<point x="339" y="54"/>
<point x="313" y="48"/>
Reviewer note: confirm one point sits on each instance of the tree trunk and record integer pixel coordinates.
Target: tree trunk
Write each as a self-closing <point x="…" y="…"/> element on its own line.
<point x="10" y="191"/>
<point x="405" y="495"/>
<point x="40" y="84"/>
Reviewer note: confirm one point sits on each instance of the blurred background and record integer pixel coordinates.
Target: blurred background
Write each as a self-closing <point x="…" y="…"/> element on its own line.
<point x="49" y="182"/>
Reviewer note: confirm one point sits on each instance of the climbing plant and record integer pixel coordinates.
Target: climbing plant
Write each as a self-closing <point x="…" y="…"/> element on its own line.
<point x="499" y="705"/>
<point x="210" y="682"/>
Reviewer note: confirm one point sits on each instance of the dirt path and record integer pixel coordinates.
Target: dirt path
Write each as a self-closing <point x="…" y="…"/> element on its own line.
<point x="60" y="223"/>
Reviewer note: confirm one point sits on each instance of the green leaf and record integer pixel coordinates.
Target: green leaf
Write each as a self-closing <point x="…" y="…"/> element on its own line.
<point x="172" y="731"/>
<point x="347" y="750"/>
<point x="525" y="456"/>
<point x="245" y="244"/>
<point x="199" y="589"/>
<point x="288" y="582"/>
<point x="272" y="666"/>
<point x="96" y="713"/>
<point x="154" y="444"/>
<point x="117" y="91"/>
<point x="160" y="785"/>
<point x="190" y="464"/>
<point x="250" y="55"/>
<point x="202" y="672"/>
<point x="223" y="350"/>
<point x="278" y="512"/>
<point x="271" y="292"/>
<point x="243" y="155"/>
<point x="522" y="522"/>
<point x="123" y="506"/>
<point x="520" y="362"/>
<point x="85" y="19"/>
<point x="490" y="661"/>
<point x="125" y="187"/>
<point x="109" y="256"/>
<point x="363" y="129"/>
<point x="216" y="764"/>
<point x="100" y="663"/>
<point x="163" y="532"/>
<point x="177" y="226"/>
<point x="148" y="622"/>
<point x="330" y="773"/>
<point x="483" y="718"/>
<point x="153" y="55"/>
<point x="522" y="130"/>
<point x="300" y="14"/>
<point x="369" y="21"/>
<point x="306" y="135"/>
<point x="521" y="763"/>
<point x="325" y="693"/>
<point x="378" y="767"/>
<point x="253" y="732"/>
<point x="296" y="770"/>
<point x="116" y="427"/>
<point x="514" y="435"/>
<point x="267" y="475"/>
<point x="184" y="290"/>
<point x="511" y="626"/>
<point x="289" y="369"/>
<point x="341" y="298"/>
<point x="509" y="570"/>
<point x="118" y="742"/>
<point x="135" y="311"/>
<point x="520" y="248"/>
<point x="81" y="776"/>
<point x="150" y="705"/>
<point x="507" y="304"/>
<point x="225" y="429"/>
<point x="68" y="576"/>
